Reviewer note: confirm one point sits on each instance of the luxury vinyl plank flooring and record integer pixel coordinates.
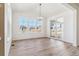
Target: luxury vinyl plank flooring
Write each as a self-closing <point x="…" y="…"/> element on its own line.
<point x="43" y="47"/>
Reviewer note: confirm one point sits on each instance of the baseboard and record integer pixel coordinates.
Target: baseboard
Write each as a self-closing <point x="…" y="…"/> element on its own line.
<point x="29" y="39"/>
<point x="43" y="38"/>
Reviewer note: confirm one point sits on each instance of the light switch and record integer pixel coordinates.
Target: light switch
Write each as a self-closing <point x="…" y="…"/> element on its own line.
<point x="0" y="38"/>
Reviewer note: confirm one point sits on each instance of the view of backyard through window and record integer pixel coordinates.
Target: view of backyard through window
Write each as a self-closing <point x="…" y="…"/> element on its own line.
<point x="29" y="25"/>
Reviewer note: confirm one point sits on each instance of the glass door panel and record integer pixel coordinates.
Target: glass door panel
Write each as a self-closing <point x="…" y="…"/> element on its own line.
<point x="56" y="28"/>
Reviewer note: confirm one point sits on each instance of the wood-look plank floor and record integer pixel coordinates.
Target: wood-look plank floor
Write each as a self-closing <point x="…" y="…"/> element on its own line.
<point x="43" y="47"/>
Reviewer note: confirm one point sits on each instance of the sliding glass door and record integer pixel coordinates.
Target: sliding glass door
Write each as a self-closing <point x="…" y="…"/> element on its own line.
<point x="56" y="28"/>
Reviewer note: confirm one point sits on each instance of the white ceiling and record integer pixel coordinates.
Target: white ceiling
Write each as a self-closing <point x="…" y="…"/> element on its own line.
<point x="47" y="9"/>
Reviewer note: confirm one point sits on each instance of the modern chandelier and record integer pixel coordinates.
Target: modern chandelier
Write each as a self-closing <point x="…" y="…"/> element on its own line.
<point x="40" y="9"/>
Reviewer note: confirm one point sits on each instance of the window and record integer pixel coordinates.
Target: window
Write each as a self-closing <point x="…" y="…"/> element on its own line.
<point x="29" y="25"/>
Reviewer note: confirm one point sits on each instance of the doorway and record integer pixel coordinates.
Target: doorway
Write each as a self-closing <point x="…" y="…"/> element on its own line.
<point x="56" y="28"/>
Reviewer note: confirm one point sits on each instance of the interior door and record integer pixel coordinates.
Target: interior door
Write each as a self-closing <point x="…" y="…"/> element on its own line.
<point x="1" y="29"/>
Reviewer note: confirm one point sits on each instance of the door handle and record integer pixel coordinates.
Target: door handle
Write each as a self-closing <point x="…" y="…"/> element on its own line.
<point x="0" y="38"/>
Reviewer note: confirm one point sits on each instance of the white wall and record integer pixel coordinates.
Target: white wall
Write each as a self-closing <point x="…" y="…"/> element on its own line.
<point x="18" y="34"/>
<point x="8" y="29"/>
<point x="69" y="18"/>
<point x="76" y="22"/>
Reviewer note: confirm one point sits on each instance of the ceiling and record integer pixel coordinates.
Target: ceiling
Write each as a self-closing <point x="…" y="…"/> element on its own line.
<point x="47" y="9"/>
